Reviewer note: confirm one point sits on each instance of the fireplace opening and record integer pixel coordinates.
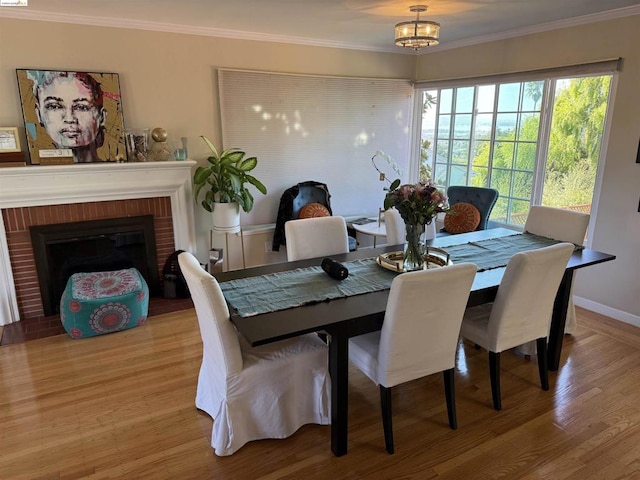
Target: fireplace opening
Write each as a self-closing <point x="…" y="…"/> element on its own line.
<point x="62" y="249"/>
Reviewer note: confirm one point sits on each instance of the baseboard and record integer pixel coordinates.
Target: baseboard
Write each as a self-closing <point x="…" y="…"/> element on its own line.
<point x="608" y="311"/>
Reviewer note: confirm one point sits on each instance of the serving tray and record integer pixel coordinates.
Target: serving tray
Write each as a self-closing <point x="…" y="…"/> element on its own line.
<point x="394" y="261"/>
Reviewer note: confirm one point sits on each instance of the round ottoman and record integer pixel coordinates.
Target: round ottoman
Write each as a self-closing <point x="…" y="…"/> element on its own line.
<point x="103" y="302"/>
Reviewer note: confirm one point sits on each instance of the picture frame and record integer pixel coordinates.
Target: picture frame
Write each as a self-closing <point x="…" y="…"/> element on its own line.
<point x="72" y="116"/>
<point x="9" y="140"/>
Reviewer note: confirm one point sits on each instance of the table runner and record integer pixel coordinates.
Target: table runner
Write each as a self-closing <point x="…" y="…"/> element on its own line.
<point x="496" y="252"/>
<point x="279" y="291"/>
<point x="302" y="286"/>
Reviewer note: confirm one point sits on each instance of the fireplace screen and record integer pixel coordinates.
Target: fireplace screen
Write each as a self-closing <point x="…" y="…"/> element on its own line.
<point x="60" y="250"/>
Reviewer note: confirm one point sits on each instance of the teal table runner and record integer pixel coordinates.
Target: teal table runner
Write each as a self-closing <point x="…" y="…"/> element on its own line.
<point x="279" y="291"/>
<point x="302" y="286"/>
<point x="496" y="252"/>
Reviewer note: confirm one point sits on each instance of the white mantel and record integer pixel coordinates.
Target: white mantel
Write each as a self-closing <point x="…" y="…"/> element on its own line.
<point x="92" y="182"/>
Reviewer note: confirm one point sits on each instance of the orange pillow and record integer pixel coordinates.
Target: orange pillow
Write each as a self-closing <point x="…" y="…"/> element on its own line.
<point x="465" y="218"/>
<point x="314" y="210"/>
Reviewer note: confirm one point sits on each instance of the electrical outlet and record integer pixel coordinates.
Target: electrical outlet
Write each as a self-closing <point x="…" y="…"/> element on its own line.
<point x="268" y="248"/>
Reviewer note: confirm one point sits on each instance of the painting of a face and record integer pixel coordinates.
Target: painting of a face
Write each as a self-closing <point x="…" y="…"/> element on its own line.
<point x="68" y="112"/>
<point x="71" y="116"/>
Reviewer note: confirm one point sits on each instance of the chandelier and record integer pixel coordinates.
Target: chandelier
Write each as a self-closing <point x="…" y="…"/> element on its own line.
<point x="417" y="33"/>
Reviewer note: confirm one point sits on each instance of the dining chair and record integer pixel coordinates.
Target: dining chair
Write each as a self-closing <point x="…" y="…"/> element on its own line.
<point x="482" y="198"/>
<point x="565" y="226"/>
<point x="316" y="237"/>
<point x="394" y="227"/>
<point x="253" y="393"/>
<point x="303" y="200"/>
<point x="521" y="311"/>
<point x="396" y="231"/>
<point x="419" y="335"/>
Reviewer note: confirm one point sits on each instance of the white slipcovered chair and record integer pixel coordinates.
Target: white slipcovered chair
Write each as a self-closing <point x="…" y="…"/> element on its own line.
<point x="419" y="335"/>
<point x="396" y="230"/>
<point x="565" y="226"/>
<point x="521" y="311"/>
<point x="394" y="226"/>
<point x="253" y="393"/>
<point x="316" y="237"/>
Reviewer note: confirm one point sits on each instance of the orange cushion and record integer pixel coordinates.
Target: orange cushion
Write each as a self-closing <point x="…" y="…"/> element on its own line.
<point x="464" y="218"/>
<point x="314" y="210"/>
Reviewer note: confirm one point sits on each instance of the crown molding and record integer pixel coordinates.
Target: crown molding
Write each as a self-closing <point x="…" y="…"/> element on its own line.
<point x="543" y="27"/>
<point x="23" y="14"/>
<point x="30" y="14"/>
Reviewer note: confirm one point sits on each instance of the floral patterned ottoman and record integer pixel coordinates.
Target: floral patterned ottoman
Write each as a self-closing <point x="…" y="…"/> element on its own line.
<point x="104" y="302"/>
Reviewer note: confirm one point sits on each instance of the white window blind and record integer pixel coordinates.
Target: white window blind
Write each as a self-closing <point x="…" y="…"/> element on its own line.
<point x="583" y="69"/>
<point x="320" y="128"/>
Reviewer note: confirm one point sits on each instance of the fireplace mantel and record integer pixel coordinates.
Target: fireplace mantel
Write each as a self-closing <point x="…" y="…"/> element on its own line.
<point x="93" y="182"/>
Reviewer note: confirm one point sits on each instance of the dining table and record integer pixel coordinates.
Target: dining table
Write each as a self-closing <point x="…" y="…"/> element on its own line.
<point x="355" y="314"/>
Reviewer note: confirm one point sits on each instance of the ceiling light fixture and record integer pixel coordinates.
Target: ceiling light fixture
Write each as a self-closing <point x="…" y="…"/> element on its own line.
<point x="417" y="33"/>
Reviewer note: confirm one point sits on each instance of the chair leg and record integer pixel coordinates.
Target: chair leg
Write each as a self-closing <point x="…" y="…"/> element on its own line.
<point x="450" y="394"/>
<point x="494" y="371"/>
<point x="385" y="404"/>
<point x="543" y="366"/>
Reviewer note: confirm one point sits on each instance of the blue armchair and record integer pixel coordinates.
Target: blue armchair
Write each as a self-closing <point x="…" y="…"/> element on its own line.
<point x="482" y="198"/>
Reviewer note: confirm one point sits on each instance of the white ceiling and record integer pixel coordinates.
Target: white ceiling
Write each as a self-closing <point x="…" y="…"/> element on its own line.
<point x="361" y="24"/>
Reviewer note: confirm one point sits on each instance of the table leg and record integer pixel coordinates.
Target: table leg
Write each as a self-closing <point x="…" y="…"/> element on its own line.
<point x="339" y="371"/>
<point x="558" y="320"/>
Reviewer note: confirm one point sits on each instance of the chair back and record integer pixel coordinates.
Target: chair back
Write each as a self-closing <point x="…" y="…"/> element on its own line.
<point x="482" y="198"/>
<point x="422" y="322"/>
<point x="394" y="225"/>
<point x="293" y="200"/>
<point x="219" y="336"/>
<point x="557" y="223"/>
<point x="316" y="237"/>
<point x="522" y="309"/>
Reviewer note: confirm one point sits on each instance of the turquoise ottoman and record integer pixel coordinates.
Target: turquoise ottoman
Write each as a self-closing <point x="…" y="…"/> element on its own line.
<point x="104" y="302"/>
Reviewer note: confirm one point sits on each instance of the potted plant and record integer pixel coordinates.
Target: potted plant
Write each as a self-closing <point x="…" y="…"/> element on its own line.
<point x="225" y="184"/>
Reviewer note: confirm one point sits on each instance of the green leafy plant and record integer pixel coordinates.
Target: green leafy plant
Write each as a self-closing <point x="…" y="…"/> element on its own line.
<point x="225" y="181"/>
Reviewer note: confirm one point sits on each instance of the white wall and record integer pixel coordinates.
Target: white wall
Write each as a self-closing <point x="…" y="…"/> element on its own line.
<point x="612" y="288"/>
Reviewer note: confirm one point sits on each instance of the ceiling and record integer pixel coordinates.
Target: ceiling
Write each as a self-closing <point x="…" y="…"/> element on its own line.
<point x="360" y="24"/>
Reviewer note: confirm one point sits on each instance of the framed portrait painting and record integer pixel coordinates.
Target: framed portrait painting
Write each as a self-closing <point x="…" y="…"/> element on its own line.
<point x="72" y="117"/>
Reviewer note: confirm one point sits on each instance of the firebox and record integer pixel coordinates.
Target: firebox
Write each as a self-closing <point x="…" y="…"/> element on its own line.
<point x="62" y="249"/>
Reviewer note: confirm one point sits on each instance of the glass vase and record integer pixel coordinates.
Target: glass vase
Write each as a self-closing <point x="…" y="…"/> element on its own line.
<point x="414" y="249"/>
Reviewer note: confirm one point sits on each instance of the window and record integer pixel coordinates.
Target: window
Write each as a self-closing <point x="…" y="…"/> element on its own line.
<point x="536" y="140"/>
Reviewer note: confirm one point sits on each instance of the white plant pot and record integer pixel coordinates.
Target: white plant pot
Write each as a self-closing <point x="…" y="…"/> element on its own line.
<point x="226" y="218"/>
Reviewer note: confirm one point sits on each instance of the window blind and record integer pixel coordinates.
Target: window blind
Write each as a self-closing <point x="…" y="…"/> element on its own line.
<point x="593" y="68"/>
<point x="303" y="127"/>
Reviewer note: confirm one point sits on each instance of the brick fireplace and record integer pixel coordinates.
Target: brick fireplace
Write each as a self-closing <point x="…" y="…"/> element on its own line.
<point x="43" y="195"/>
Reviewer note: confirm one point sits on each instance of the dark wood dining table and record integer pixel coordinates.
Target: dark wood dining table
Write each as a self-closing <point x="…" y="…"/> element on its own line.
<point x="343" y="318"/>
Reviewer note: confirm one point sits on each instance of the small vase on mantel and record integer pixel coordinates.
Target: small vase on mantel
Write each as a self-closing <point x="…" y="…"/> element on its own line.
<point x="414" y="249"/>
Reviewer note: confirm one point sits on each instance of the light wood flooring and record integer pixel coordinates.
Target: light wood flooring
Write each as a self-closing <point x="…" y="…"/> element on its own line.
<point x="121" y="406"/>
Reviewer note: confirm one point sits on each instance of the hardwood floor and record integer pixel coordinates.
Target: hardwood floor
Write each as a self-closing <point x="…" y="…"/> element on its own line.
<point x="121" y="406"/>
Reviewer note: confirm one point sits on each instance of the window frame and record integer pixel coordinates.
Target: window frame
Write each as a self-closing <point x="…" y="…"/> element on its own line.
<point x="550" y="76"/>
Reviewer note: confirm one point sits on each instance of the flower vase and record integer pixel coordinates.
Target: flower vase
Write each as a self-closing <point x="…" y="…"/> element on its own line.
<point x="414" y="249"/>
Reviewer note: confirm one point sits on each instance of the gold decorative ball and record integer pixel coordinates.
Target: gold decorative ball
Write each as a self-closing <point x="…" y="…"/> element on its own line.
<point x="159" y="134"/>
